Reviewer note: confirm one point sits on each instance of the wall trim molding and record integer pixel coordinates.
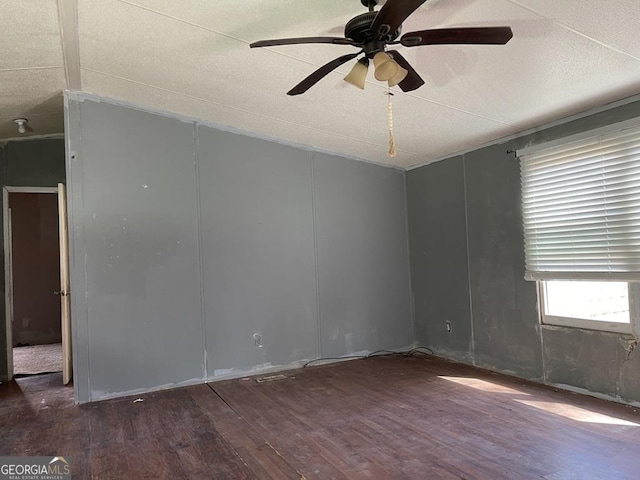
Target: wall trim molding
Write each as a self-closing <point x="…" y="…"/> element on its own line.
<point x="80" y="96"/>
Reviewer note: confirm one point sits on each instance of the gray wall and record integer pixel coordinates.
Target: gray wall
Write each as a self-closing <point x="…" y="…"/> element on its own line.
<point x="257" y="250"/>
<point x="186" y="240"/>
<point x="34" y="163"/>
<point x="467" y="266"/>
<point x="439" y="262"/>
<point x="362" y="253"/>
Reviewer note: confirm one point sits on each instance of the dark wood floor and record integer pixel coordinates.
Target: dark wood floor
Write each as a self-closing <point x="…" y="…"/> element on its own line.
<point x="395" y="418"/>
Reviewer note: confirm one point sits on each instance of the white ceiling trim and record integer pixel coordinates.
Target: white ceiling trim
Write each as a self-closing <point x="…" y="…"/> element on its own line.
<point x="573" y="30"/>
<point x="226" y="35"/>
<point x="68" y="16"/>
<point x="451" y="107"/>
<point x="614" y="49"/>
<point x="82" y="96"/>
<point x="247" y="112"/>
<point x="18" y="69"/>
<point x="182" y="20"/>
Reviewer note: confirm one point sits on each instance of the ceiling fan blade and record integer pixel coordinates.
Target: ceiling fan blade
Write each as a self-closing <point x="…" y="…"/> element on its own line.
<point x="320" y="73"/>
<point x="295" y="41"/>
<point x="449" y="36"/>
<point x="392" y="14"/>
<point x="412" y="81"/>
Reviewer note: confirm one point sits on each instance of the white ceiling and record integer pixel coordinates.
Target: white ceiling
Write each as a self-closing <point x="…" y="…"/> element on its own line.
<point x="192" y="57"/>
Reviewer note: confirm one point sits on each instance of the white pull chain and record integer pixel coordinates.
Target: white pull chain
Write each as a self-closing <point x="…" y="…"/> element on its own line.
<point x="392" y="141"/>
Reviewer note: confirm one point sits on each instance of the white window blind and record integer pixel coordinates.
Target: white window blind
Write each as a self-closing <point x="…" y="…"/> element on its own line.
<point x="581" y="208"/>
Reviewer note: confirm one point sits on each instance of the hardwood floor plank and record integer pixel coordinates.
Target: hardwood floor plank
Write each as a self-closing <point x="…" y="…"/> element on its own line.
<point x="166" y="435"/>
<point x="250" y="448"/>
<point x="461" y="430"/>
<point x="380" y="418"/>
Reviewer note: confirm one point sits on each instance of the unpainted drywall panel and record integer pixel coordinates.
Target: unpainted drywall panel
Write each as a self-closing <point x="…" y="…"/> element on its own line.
<point x="136" y="205"/>
<point x="258" y="252"/>
<point x="362" y="255"/>
<point x="438" y="242"/>
<point x="505" y="323"/>
<point x="586" y="359"/>
<point x="629" y="386"/>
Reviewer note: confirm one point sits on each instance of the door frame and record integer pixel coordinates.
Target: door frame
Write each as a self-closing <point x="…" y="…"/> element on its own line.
<point x="8" y="263"/>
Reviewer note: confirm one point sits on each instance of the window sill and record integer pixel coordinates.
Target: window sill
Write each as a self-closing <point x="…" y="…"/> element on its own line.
<point x="589" y="326"/>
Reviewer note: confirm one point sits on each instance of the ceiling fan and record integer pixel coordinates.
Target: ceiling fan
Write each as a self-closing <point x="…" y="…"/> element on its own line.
<point x="373" y="32"/>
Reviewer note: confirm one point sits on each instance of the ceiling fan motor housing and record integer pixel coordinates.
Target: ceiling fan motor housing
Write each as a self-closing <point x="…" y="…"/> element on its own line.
<point x="358" y="29"/>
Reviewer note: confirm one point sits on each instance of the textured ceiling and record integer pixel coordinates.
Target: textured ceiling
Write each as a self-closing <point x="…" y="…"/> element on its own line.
<point x="192" y="57"/>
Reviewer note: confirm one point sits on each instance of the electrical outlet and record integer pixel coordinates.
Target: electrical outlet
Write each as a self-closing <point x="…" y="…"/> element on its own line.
<point x="257" y="340"/>
<point x="448" y="325"/>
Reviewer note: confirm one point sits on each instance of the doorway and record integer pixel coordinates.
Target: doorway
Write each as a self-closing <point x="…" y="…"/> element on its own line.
<point x="38" y="340"/>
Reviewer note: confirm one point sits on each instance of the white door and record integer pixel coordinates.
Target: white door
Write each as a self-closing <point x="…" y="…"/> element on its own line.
<point x="8" y="282"/>
<point x="64" y="286"/>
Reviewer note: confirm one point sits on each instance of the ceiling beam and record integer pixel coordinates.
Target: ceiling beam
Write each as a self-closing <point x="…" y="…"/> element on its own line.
<point x="68" y="19"/>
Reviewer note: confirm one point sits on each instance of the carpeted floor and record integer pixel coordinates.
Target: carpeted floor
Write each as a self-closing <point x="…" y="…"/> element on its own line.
<point x="37" y="359"/>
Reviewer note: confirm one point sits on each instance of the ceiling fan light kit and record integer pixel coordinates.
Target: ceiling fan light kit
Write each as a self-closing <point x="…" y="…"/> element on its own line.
<point x="373" y="32"/>
<point x="358" y="74"/>
<point x="400" y="75"/>
<point x="385" y="67"/>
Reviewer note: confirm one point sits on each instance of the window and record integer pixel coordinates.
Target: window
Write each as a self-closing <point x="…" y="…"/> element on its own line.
<point x="581" y="215"/>
<point x="589" y="304"/>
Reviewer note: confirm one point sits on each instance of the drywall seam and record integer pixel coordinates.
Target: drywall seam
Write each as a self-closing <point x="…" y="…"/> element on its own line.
<point x="412" y="301"/>
<point x="203" y="310"/>
<point x="466" y="234"/>
<point x="85" y="274"/>
<point x="82" y="96"/>
<point x="74" y="156"/>
<point x="315" y="253"/>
